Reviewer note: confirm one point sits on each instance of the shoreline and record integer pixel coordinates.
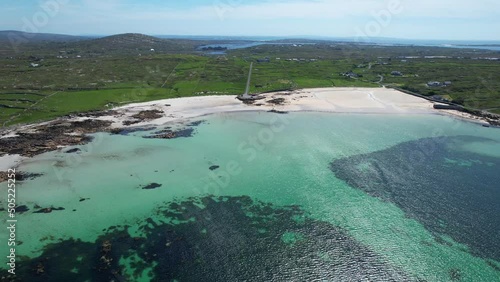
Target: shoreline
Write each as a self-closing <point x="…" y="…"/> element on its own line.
<point x="73" y="129"/>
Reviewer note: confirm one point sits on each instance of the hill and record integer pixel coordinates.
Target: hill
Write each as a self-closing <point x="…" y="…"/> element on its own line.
<point x="8" y="35"/>
<point x="134" y="43"/>
<point x="41" y="45"/>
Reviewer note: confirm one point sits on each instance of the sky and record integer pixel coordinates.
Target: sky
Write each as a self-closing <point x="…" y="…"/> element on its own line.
<point x="409" y="19"/>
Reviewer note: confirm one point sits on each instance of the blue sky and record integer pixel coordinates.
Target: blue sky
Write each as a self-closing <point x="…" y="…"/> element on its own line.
<point x="423" y="19"/>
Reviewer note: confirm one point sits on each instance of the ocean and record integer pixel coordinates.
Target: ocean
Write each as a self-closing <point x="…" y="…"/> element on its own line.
<point x="254" y="196"/>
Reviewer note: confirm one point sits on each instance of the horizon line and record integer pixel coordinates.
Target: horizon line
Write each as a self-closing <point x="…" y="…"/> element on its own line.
<point x="361" y="39"/>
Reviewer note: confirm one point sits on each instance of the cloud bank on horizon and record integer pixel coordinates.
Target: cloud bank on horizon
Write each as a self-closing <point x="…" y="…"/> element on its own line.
<point x="424" y="19"/>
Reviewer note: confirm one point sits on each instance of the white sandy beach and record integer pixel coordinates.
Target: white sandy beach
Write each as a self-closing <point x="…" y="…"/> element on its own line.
<point x="333" y="100"/>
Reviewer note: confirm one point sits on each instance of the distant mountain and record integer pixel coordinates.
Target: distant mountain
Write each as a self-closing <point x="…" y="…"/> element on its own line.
<point x="26" y="37"/>
<point x="129" y="40"/>
<point x="135" y="42"/>
<point x="128" y="43"/>
<point x="223" y="38"/>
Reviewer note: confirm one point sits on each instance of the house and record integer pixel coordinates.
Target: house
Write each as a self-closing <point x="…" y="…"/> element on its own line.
<point x="434" y="84"/>
<point x="396" y="73"/>
<point x="447" y="83"/>
<point x="351" y="74"/>
<point x="34" y="65"/>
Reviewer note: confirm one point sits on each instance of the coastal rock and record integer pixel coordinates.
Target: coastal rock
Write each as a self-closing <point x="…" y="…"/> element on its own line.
<point x="130" y="122"/>
<point x="278" y="112"/>
<point x="170" y="134"/>
<point x="3" y="176"/>
<point x="127" y="131"/>
<point x="94" y="114"/>
<point x="48" y="137"/>
<point x="148" y="115"/>
<point x="277" y="101"/>
<point x="144" y="116"/>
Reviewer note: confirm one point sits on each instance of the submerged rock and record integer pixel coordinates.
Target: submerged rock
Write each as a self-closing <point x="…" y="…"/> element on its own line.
<point x="277" y="112"/>
<point x="196" y="123"/>
<point x="452" y="193"/>
<point x="170" y="134"/>
<point x="215" y="239"/>
<point x="49" y="210"/>
<point x="127" y="131"/>
<point x="22" y="209"/>
<point x="19" y="176"/>
<point x="75" y="150"/>
<point x="151" y="186"/>
<point x="214" y="167"/>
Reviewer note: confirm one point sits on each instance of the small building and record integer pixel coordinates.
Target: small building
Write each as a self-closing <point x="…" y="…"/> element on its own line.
<point x="33" y="65"/>
<point x="447" y="83"/>
<point x="434" y="84"/>
<point x="264" y="60"/>
<point x="351" y="74"/>
<point x="396" y="73"/>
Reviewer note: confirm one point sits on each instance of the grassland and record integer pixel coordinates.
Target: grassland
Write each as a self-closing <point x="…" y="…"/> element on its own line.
<point x="75" y="77"/>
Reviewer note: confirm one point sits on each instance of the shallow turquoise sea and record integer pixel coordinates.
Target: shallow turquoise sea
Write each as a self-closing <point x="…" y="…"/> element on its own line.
<point x="268" y="197"/>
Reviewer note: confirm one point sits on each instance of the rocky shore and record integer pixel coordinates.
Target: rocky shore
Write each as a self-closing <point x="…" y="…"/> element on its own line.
<point x="51" y="136"/>
<point x="71" y="130"/>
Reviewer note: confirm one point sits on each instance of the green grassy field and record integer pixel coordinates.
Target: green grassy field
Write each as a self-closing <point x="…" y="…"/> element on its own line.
<point x="78" y="82"/>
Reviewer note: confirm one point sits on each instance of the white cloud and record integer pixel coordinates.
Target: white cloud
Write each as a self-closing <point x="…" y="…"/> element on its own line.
<point x="319" y="17"/>
<point x="330" y="9"/>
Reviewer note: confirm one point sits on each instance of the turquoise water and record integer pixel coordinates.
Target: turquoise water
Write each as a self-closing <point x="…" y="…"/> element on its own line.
<point x="260" y="196"/>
